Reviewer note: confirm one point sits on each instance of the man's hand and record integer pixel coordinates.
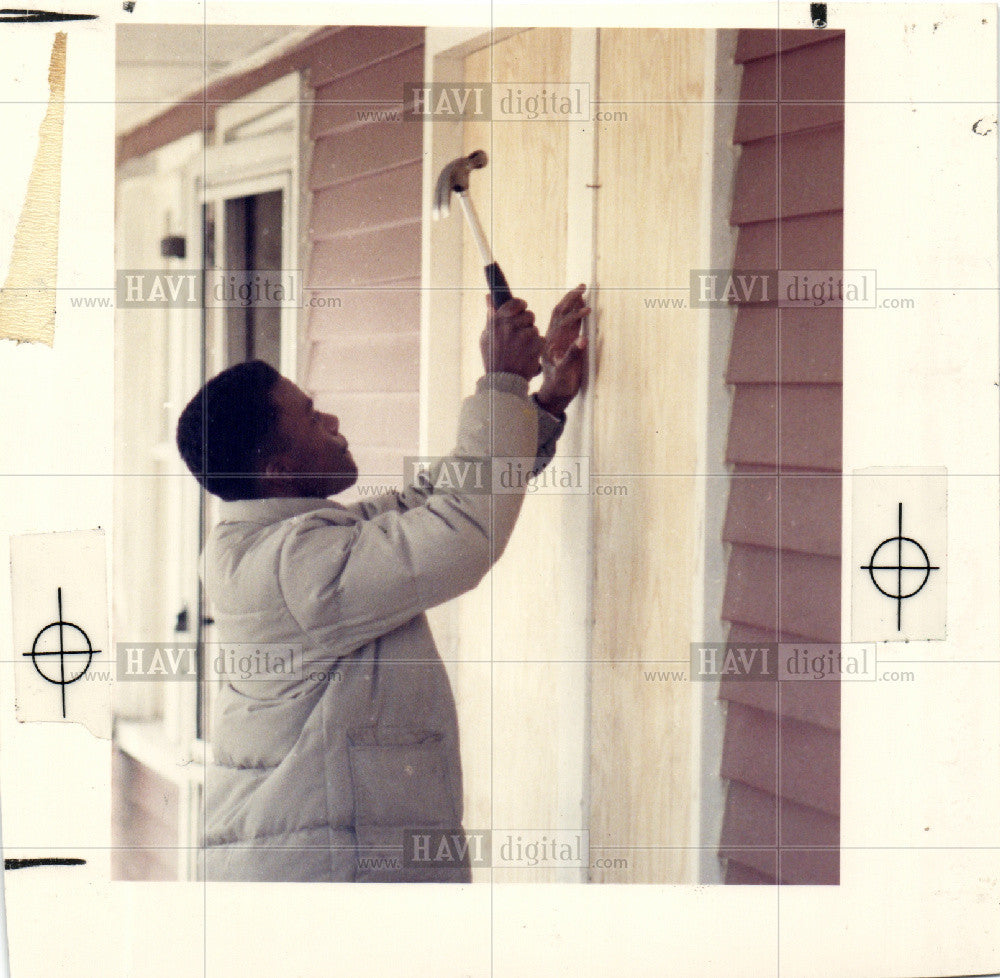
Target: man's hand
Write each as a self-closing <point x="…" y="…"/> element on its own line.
<point x="564" y="356"/>
<point x="510" y="343"/>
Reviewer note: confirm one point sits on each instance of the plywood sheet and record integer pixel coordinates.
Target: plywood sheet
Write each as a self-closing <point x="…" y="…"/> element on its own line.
<point x="651" y="231"/>
<point x="509" y="702"/>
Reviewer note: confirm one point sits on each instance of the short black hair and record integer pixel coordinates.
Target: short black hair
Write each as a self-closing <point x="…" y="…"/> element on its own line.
<point x="229" y="428"/>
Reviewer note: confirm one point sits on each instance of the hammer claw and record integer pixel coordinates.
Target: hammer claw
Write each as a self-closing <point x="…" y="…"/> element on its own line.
<point x="454" y="178"/>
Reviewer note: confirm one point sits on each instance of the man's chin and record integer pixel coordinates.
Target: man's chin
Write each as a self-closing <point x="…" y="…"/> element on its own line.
<point x="343" y="481"/>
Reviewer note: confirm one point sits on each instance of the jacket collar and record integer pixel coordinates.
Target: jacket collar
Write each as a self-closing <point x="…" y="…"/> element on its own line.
<point x="272" y="510"/>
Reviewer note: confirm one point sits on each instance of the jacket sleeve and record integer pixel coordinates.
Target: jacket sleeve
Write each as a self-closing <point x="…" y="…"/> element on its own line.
<point x="349" y="584"/>
<point x="550" y="427"/>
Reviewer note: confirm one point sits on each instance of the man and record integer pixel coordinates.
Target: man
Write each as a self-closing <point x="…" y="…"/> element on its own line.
<point x="319" y="774"/>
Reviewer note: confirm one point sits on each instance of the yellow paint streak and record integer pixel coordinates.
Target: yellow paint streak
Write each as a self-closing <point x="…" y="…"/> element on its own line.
<point x="28" y="299"/>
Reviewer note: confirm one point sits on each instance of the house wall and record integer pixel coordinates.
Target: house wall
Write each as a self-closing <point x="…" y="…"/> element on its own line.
<point x="783" y="525"/>
<point x="361" y="227"/>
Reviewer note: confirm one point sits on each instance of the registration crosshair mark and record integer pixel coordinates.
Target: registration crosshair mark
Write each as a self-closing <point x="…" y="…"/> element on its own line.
<point x="48" y="655"/>
<point x="920" y="562"/>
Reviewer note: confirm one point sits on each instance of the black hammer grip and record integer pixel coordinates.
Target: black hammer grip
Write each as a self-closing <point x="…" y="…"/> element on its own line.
<point x="499" y="289"/>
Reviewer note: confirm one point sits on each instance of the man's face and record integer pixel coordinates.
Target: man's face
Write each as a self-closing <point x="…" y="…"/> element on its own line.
<point x="314" y="459"/>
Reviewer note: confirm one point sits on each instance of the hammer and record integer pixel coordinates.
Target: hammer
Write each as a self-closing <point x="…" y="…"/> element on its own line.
<point x="455" y="178"/>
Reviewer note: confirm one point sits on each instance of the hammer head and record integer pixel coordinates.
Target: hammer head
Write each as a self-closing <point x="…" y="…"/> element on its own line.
<point x="455" y="179"/>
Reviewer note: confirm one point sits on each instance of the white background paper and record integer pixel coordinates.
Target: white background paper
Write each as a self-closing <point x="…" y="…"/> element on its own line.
<point x="920" y="798"/>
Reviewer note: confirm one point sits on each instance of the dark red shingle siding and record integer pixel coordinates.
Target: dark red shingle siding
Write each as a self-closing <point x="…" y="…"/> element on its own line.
<point x="781" y="750"/>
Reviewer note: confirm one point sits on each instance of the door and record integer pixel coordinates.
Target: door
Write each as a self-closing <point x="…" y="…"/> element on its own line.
<point x="253" y="226"/>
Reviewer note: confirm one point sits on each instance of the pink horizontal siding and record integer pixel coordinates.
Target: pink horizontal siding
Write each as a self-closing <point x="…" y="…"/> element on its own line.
<point x="789" y="161"/>
<point x="808" y="586"/>
<point x="767" y="42"/>
<point x="811" y="241"/>
<point x="781" y="752"/>
<point x="367" y="257"/>
<point x="810" y="433"/>
<point x="787" y="758"/>
<point x="370" y="147"/>
<point x="807" y="349"/>
<point x="380" y="309"/>
<point x="794" y="98"/>
<point x="375" y="199"/>
<point x="364" y="234"/>
<point x="808" y="840"/>
<point x="354" y="47"/>
<point x="813" y="701"/>
<point x="362" y="362"/>
<point x="809" y="508"/>
<point x="741" y="874"/>
<point x="378" y="87"/>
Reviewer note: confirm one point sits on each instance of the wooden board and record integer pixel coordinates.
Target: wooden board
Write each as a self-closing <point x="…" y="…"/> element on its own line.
<point x="651" y="232"/>
<point x="509" y="711"/>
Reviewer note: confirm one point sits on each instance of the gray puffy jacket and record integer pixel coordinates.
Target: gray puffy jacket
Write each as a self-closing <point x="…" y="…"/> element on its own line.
<point x="317" y="775"/>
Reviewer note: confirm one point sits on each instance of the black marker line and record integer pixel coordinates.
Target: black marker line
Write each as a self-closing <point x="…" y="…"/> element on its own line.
<point x="55" y="861"/>
<point x="11" y="15"/>
<point x="899" y="574"/>
<point x="62" y="661"/>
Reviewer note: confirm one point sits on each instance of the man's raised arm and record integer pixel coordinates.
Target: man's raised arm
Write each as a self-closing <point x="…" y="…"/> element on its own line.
<point x="348" y="583"/>
<point x="562" y="366"/>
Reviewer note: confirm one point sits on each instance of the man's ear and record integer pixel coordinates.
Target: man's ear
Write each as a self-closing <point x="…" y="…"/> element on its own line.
<point x="274" y="474"/>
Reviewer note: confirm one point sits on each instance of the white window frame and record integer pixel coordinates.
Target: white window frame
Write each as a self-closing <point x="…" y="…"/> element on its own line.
<point x="263" y="157"/>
